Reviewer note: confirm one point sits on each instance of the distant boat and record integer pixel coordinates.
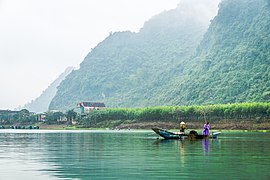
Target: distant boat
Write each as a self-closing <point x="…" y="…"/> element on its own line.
<point x="192" y="134"/>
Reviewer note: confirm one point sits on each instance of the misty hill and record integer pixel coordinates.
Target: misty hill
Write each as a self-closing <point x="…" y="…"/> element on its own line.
<point x="41" y="104"/>
<point x="231" y="63"/>
<point x="179" y="62"/>
<point x="129" y="69"/>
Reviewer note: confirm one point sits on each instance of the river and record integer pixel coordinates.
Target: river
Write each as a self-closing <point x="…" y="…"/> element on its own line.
<point x="49" y="154"/>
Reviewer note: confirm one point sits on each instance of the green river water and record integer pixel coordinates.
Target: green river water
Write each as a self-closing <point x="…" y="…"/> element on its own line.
<point x="44" y="154"/>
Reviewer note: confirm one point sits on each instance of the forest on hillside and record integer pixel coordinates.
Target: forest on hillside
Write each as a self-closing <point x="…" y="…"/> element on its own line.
<point x="231" y="63"/>
<point x="179" y="58"/>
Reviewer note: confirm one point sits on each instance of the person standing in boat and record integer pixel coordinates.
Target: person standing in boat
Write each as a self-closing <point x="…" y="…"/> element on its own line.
<point x="206" y="128"/>
<point x="182" y="127"/>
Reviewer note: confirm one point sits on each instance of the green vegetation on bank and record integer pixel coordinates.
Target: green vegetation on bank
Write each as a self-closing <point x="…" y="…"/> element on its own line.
<point x="250" y="116"/>
<point x="24" y="117"/>
<point x="254" y="112"/>
<point x="11" y="117"/>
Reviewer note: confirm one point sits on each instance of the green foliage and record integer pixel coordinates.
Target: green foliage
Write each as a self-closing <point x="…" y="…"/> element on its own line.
<point x="238" y="111"/>
<point x="129" y="69"/>
<point x="12" y="117"/>
<point x="172" y="61"/>
<point x="25" y="117"/>
<point x="71" y="115"/>
<point x="53" y="117"/>
<point x="236" y="49"/>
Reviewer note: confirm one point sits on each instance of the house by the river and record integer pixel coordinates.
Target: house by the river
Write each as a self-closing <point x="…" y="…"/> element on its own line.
<point x="86" y="107"/>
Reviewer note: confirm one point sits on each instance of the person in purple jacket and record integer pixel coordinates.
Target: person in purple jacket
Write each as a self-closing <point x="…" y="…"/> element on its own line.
<point x="206" y="128"/>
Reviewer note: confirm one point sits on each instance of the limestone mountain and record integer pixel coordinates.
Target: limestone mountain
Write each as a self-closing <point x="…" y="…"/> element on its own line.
<point x="177" y="59"/>
<point x="130" y="69"/>
<point x="41" y="104"/>
<point x="232" y="62"/>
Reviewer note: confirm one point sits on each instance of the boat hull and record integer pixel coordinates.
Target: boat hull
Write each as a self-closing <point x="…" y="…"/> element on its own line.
<point x="171" y="135"/>
<point x="166" y="134"/>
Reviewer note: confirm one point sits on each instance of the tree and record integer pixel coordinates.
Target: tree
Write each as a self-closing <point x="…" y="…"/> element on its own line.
<point x="52" y="117"/>
<point x="71" y="115"/>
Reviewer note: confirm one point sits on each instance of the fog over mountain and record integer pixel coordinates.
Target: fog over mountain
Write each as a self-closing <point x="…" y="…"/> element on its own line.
<point x="38" y="38"/>
<point x="131" y="69"/>
<point x="41" y="103"/>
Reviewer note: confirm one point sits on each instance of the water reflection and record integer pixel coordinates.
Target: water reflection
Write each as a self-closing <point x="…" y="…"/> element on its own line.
<point x="186" y="148"/>
<point x="19" y="155"/>
<point x="205" y="144"/>
<point x="97" y="155"/>
<point x="182" y="153"/>
<point x="132" y="155"/>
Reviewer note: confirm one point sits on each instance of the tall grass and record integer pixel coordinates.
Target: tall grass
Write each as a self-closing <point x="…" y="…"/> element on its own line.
<point x="217" y="112"/>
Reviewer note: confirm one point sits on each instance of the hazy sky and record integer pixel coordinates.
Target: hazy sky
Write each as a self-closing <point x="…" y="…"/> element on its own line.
<point x="40" y="38"/>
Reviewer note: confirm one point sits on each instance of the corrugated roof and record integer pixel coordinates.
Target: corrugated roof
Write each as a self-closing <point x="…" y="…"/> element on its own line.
<point x="92" y="104"/>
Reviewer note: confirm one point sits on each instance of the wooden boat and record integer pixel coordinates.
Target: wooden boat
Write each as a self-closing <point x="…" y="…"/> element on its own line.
<point x="192" y="134"/>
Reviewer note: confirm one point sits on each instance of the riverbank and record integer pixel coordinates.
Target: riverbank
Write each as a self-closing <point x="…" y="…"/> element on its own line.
<point x="219" y="125"/>
<point x="224" y="125"/>
<point x="238" y="116"/>
<point x="116" y="124"/>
